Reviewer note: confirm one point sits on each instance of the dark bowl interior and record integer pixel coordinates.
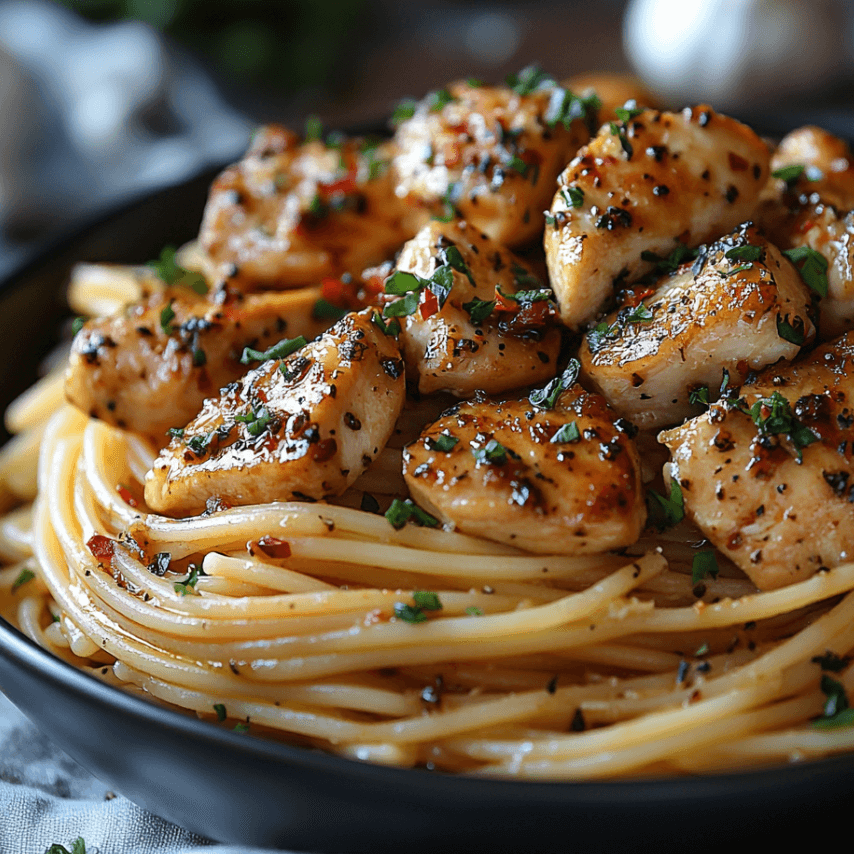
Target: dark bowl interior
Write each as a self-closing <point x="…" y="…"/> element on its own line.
<point x="240" y="789"/>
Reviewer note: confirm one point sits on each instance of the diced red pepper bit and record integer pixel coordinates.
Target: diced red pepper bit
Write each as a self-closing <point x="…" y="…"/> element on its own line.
<point x="535" y="314"/>
<point x="345" y="185"/>
<point x="504" y="304"/>
<point x="635" y="296"/>
<point x="344" y="294"/>
<point x="272" y="547"/>
<point x="102" y="548"/>
<point x="429" y="304"/>
<point x="126" y="495"/>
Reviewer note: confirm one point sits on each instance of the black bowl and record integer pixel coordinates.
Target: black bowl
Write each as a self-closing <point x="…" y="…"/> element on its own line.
<point x="237" y="788"/>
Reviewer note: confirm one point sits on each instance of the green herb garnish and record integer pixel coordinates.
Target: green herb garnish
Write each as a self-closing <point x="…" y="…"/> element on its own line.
<point x="478" y="309"/>
<point x="791" y="332"/>
<point x="567" y="434"/>
<point x="77" y="847"/>
<point x="546" y="397"/>
<point x="699" y="396"/>
<point x="168" y="270"/>
<point x="391" y="328"/>
<point x="221" y="713"/>
<point x="423" y="601"/>
<point x="443" y="442"/>
<point x="401" y="512"/>
<point x="747" y="252"/>
<point x="24" y="576"/>
<point x="665" y="512"/>
<point x="812" y="266"/>
<point x="188" y="585"/>
<point x="704" y="565"/>
<point x="167" y="315"/>
<point x="278" y="351"/>
<point x="493" y="453"/>
<point x="789" y="174"/>
<point x="325" y="310"/>
<point x="573" y="196"/>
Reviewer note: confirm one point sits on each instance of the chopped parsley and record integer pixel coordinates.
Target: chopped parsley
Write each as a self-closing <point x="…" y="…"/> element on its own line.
<point x="325" y="310"/>
<point x="704" y="565"/>
<point x="439" y="99"/>
<point x="837" y="711"/>
<point x="748" y="252"/>
<point x="493" y="453"/>
<point x="404" y="110"/>
<point x="474" y="611"/>
<point x="188" y="585"/>
<point x="167" y="315"/>
<point x="546" y="397"/>
<point x="24" y="576"/>
<point x="77" y="847"/>
<point x="670" y="263"/>
<point x="526" y="298"/>
<point x="567" y="434"/>
<point x="168" y="270"/>
<point x="573" y="196"/>
<point x="443" y="442"/>
<point x="313" y="128"/>
<point x="699" y="396"/>
<point x="256" y="421"/>
<point x="630" y="110"/>
<point x="241" y="727"/>
<point x="278" y="351"/>
<point x="423" y="600"/>
<point x="791" y="332"/>
<point x="812" y="266"/>
<point x="77" y="324"/>
<point x="391" y="328"/>
<point x="409" y="286"/>
<point x="221" y="713"/>
<point x="789" y="174"/>
<point x="565" y="107"/>
<point x="530" y="79"/>
<point x="401" y="512"/>
<point x="665" y="512"/>
<point x="478" y="309"/>
<point x="620" y="132"/>
<point x="773" y="416"/>
<point x="604" y="332"/>
<point x="175" y="432"/>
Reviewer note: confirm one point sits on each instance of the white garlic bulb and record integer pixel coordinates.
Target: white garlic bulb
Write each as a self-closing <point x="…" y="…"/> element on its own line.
<point x="736" y="54"/>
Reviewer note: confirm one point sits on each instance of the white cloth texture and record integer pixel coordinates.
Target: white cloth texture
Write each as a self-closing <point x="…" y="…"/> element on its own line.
<point x="46" y="798"/>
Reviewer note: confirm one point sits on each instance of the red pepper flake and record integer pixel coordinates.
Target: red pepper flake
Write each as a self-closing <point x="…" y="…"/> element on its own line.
<point x="429" y="304"/>
<point x="345" y="185"/>
<point x="126" y="495"/>
<point x="272" y="547"/>
<point x="102" y="548"/>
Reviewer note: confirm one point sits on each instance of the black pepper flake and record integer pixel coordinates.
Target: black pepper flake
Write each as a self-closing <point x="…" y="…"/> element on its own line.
<point x="578" y="724"/>
<point x="661" y="190"/>
<point x="682" y="672"/>
<point x="351" y="421"/>
<point x="552" y="686"/>
<point x="731" y="193"/>
<point x="613" y="218"/>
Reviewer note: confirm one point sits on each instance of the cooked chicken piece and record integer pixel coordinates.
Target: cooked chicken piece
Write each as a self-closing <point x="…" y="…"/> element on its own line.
<point x="809" y="207"/>
<point x="562" y="480"/>
<point x="293" y="212"/>
<point x="491" y="152"/>
<point x="770" y="480"/>
<point x="612" y="89"/>
<point x="740" y="306"/>
<point x="467" y="331"/>
<point x="827" y="167"/>
<point x="646" y="185"/>
<point x="300" y="428"/>
<point x="151" y="368"/>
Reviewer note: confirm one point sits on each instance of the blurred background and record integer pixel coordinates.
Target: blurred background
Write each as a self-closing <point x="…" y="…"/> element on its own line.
<point x="104" y="100"/>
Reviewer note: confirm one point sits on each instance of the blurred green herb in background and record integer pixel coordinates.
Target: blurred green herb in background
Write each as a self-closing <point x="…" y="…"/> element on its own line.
<point x="286" y="45"/>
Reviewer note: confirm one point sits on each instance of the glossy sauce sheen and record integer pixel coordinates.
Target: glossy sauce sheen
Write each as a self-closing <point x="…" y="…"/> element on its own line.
<point x="330" y="412"/>
<point x="548" y="496"/>
<point x="663" y="178"/>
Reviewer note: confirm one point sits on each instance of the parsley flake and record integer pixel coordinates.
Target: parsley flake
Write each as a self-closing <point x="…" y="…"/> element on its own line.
<point x="77" y="847"/>
<point x="403" y="111"/>
<point x="474" y="611"/>
<point x="168" y="270"/>
<point x="423" y="601"/>
<point x="188" y="585"/>
<point x="401" y="512"/>
<point x="791" y="332"/>
<point x="391" y="328"/>
<point x="443" y="442"/>
<point x="573" y="196"/>
<point x="567" y="434"/>
<point x="478" y="309"/>
<point x="325" y="310"/>
<point x="546" y="397"/>
<point x="278" y="351"/>
<point x="812" y="266"/>
<point x="699" y="396"/>
<point x="493" y="453"/>
<point x="748" y="252"/>
<point x="665" y="512"/>
<point x="24" y="576"/>
<point x="221" y="713"/>
<point x="77" y="324"/>
<point x="704" y="565"/>
<point x="167" y="315"/>
<point x="789" y="174"/>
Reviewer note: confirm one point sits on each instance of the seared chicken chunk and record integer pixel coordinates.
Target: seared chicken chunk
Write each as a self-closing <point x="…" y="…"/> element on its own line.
<point x="483" y="321"/>
<point x="613" y="90"/>
<point x="644" y="186"/>
<point x="808" y="208"/>
<point x="740" y="306"/>
<point x="300" y="428"/>
<point x="491" y="152"/>
<point x="563" y="479"/>
<point x="770" y="479"/>
<point x="293" y="212"/>
<point x="151" y="367"/>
